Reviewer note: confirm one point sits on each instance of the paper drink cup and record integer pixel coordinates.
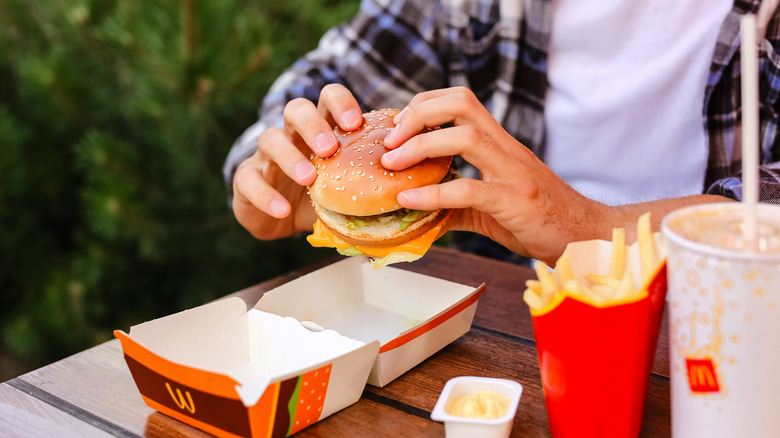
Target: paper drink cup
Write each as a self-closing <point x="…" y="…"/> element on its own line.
<point x="595" y="361"/>
<point x="724" y="322"/>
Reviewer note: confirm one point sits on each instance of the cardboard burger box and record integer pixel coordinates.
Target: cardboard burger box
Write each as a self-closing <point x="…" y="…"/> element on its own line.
<point x="305" y="351"/>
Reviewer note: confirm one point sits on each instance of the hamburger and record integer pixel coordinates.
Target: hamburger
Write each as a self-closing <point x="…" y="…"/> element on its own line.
<point x="355" y="197"/>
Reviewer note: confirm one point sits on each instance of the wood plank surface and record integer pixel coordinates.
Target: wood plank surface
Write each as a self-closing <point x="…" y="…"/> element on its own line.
<point x="23" y="415"/>
<point x="93" y="394"/>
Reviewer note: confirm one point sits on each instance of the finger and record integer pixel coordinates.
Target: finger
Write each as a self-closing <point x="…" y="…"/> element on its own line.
<point x="459" y="193"/>
<point x="426" y="96"/>
<point x="301" y="118"/>
<point x="251" y="192"/>
<point x="276" y="146"/>
<point x="337" y="104"/>
<point x="433" y="109"/>
<point x="472" y="144"/>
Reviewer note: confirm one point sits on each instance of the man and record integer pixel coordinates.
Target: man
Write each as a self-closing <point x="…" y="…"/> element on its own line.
<point x="579" y="116"/>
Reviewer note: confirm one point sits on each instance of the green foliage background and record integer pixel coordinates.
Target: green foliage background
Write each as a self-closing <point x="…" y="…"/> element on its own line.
<point x="115" y="119"/>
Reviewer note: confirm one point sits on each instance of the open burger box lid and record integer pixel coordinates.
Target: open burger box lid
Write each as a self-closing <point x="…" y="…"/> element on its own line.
<point x="305" y="351"/>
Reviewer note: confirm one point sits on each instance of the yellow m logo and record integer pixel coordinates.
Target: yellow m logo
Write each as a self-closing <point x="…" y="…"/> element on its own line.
<point x="179" y="399"/>
<point x="701" y="376"/>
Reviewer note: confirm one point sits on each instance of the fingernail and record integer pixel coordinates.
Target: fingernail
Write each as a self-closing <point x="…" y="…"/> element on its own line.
<point x="397" y="117"/>
<point x="278" y="207"/>
<point x="390" y="137"/>
<point x="303" y="169"/>
<point x="324" y="141"/>
<point x="408" y="197"/>
<point x="352" y="118"/>
<point x="390" y="156"/>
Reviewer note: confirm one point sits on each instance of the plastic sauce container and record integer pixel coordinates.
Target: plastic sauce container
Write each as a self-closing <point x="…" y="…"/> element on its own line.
<point x="466" y="386"/>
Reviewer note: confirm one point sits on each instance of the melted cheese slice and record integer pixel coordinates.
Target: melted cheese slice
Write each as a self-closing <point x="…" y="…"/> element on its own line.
<point x="411" y="250"/>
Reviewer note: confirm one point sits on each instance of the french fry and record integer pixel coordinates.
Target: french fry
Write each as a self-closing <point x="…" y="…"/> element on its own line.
<point x="617" y="262"/>
<point x="601" y="293"/>
<point x="535" y="286"/>
<point x="602" y="280"/>
<point x="533" y="300"/>
<point x="563" y="269"/>
<point x="549" y="288"/>
<point x="573" y="286"/>
<point x="626" y="286"/>
<point x="646" y="247"/>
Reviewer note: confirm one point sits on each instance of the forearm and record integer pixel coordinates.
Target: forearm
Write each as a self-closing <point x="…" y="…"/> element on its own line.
<point x="626" y="216"/>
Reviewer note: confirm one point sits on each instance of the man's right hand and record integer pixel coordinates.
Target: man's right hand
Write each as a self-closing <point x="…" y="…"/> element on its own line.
<point x="269" y="187"/>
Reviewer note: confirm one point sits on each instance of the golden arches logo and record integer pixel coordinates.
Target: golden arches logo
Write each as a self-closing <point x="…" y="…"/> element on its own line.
<point x="178" y="398"/>
<point x="701" y="375"/>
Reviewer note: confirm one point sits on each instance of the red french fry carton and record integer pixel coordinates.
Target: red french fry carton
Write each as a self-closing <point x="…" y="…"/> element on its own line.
<point x="595" y="357"/>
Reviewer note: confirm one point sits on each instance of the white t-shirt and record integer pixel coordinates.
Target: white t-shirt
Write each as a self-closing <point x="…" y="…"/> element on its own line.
<point x="625" y="105"/>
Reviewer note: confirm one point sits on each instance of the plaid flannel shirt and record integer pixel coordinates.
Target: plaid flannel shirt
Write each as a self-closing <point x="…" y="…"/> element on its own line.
<point x="394" y="49"/>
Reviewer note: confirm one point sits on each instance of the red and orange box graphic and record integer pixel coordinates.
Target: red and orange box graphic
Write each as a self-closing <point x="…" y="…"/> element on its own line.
<point x="260" y="372"/>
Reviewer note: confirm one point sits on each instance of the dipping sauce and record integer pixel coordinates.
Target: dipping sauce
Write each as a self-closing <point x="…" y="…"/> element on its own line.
<point x="484" y="404"/>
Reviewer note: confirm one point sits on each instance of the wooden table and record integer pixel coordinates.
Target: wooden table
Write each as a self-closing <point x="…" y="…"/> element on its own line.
<point x="93" y="394"/>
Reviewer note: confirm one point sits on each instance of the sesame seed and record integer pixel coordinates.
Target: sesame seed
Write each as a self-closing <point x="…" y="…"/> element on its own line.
<point x="360" y="158"/>
<point x="324" y="185"/>
<point x="370" y="163"/>
<point x="338" y="164"/>
<point x="385" y="173"/>
<point x="354" y="198"/>
<point x="352" y="163"/>
<point x="371" y="177"/>
<point x="380" y="188"/>
<point x="409" y="176"/>
<point x="382" y="210"/>
<point x="371" y="151"/>
<point x="361" y="193"/>
<point x="391" y="173"/>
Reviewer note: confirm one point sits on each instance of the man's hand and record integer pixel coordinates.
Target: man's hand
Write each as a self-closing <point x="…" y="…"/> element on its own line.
<point x="269" y="188"/>
<point x="519" y="202"/>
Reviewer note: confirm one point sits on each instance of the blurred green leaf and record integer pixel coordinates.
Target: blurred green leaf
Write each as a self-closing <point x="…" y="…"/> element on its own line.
<point x="115" y="119"/>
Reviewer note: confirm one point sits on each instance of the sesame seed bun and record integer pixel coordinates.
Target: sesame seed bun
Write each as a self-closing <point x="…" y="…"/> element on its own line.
<point x="352" y="184"/>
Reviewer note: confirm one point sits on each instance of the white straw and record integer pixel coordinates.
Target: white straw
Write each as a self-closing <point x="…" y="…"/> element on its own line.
<point x="749" y="54"/>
